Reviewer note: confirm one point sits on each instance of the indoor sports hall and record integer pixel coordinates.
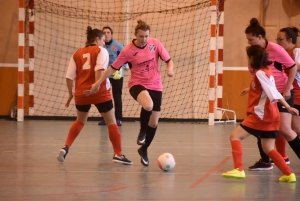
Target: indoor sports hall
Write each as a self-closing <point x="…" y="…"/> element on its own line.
<point x="201" y="104"/>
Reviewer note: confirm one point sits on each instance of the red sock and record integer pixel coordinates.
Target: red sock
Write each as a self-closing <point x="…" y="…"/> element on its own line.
<point x="280" y="143"/>
<point x="74" y="132"/>
<point x="237" y="154"/>
<point x="279" y="162"/>
<point x="115" y="138"/>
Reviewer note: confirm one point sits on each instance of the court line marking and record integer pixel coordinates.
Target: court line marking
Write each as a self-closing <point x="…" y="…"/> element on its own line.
<point x="194" y="185"/>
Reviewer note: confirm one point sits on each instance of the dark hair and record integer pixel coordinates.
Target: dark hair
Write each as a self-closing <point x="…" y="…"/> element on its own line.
<point x="255" y="29"/>
<point x="92" y="34"/>
<point x="142" y="25"/>
<point x="111" y="31"/>
<point x="291" y="32"/>
<point x="260" y="58"/>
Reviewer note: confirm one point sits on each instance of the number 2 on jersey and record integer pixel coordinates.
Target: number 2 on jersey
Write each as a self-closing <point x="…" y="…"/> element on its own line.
<point x="86" y="65"/>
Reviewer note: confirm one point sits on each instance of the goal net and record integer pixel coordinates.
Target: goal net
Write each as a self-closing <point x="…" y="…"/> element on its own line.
<point x="183" y="27"/>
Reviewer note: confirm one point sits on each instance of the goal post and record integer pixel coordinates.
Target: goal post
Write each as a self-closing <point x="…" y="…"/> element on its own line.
<point x="184" y="28"/>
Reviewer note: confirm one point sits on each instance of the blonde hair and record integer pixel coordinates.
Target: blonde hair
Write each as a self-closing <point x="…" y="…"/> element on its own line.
<point x="142" y="26"/>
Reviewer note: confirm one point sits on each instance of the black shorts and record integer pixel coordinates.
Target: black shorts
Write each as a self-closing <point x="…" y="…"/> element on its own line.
<point x="102" y="107"/>
<point x="298" y="108"/>
<point x="290" y="101"/>
<point x="156" y="96"/>
<point x="259" y="133"/>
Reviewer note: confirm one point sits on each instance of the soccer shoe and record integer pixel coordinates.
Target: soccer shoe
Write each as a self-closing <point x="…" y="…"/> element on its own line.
<point x="119" y="123"/>
<point x="144" y="157"/>
<point x="290" y="179"/>
<point x="235" y="173"/>
<point x="259" y="166"/>
<point x="62" y="154"/>
<point x="122" y="159"/>
<point x="287" y="161"/>
<point x="102" y="122"/>
<point x="141" y="139"/>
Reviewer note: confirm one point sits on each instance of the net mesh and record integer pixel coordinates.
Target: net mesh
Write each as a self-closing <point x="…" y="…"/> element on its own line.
<point x="183" y="27"/>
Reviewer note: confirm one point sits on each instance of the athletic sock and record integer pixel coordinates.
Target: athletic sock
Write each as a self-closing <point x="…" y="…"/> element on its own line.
<point x="237" y="154"/>
<point x="149" y="137"/>
<point x="144" y="119"/>
<point x="279" y="162"/>
<point x="295" y="145"/>
<point x="280" y="143"/>
<point x="264" y="157"/>
<point x="74" y="132"/>
<point x="115" y="138"/>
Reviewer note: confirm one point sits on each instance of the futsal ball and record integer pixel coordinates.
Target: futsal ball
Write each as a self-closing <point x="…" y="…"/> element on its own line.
<point x="166" y="161"/>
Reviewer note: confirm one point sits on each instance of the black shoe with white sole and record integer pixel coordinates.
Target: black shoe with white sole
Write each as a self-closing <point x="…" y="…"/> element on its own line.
<point x="122" y="159"/>
<point x="62" y="154"/>
<point x="144" y="156"/>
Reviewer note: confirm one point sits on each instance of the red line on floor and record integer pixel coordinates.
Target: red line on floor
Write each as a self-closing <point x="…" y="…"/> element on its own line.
<point x="209" y="172"/>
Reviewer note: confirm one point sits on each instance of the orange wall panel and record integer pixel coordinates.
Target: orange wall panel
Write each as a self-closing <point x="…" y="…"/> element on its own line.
<point x="233" y="83"/>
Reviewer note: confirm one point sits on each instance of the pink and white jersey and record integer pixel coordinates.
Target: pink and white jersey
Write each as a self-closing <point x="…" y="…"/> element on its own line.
<point x="280" y="60"/>
<point x="262" y="113"/>
<point x="143" y="63"/>
<point x="295" y="54"/>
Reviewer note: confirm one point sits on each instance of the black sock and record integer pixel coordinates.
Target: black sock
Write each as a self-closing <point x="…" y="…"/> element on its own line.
<point x="295" y="145"/>
<point x="264" y="157"/>
<point x="144" y="119"/>
<point x="149" y="137"/>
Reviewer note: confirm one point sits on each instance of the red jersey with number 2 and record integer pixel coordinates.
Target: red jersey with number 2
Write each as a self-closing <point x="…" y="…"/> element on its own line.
<point x="82" y="67"/>
<point x="262" y="113"/>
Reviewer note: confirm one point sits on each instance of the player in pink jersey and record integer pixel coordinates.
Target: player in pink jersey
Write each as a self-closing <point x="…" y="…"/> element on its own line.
<point x="262" y="119"/>
<point x="255" y="35"/>
<point x="287" y="38"/>
<point x="85" y="67"/>
<point x="145" y="84"/>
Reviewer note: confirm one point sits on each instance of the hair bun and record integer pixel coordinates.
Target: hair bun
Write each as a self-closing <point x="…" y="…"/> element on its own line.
<point x="254" y="22"/>
<point x="88" y="29"/>
<point x="296" y="30"/>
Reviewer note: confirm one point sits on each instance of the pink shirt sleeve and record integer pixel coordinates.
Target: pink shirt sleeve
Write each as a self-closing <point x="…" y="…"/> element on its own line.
<point x="163" y="53"/>
<point x="120" y="61"/>
<point x="284" y="58"/>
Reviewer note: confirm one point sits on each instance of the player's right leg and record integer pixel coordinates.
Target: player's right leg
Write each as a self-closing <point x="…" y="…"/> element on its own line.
<point x="237" y="153"/>
<point x="142" y="96"/>
<point x="75" y="129"/>
<point x="107" y="111"/>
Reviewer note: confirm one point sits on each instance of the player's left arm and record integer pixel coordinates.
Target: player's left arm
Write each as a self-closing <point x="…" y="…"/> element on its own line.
<point x="164" y="55"/>
<point x="268" y="85"/>
<point x="170" y="66"/>
<point x="291" y="76"/>
<point x="285" y="59"/>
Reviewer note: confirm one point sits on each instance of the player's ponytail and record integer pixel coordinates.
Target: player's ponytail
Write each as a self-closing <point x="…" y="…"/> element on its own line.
<point x="92" y="34"/>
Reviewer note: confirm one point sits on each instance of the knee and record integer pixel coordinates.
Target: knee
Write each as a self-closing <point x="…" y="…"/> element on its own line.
<point x="287" y="132"/>
<point x="232" y="137"/>
<point x="153" y="124"/>
<point x="148" y="107"/>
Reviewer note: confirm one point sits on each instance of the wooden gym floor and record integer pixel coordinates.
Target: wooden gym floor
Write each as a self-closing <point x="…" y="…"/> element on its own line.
<point x="29" y="169"/>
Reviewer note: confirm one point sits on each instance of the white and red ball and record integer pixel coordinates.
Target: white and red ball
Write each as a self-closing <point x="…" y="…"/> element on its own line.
<point x="166" y="161"/>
